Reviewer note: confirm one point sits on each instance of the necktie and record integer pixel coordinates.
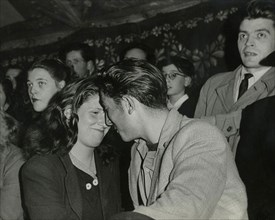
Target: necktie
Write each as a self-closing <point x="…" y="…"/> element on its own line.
<point x="244" y="84"/>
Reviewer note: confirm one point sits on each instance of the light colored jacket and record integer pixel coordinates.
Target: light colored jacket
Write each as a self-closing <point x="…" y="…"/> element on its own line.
<point x="216" y="100"/>
<point x="194" y="177"/>
<point x="11" y="160"/>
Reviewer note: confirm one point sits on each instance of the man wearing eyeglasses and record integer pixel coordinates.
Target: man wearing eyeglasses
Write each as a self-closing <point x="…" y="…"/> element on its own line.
<point x="80" y="57"/>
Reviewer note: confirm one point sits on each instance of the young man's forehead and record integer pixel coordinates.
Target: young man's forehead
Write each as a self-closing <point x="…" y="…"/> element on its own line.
<point x="107" y="101"/>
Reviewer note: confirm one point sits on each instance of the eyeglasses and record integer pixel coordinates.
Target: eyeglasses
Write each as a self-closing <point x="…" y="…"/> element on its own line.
<point x="172" y="75"/>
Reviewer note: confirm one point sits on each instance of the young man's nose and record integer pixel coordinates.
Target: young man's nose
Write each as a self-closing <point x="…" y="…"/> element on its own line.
<point x="250" y="41"/>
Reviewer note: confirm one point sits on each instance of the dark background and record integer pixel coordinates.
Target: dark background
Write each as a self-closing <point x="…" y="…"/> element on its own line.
<point x="203" y="31"/>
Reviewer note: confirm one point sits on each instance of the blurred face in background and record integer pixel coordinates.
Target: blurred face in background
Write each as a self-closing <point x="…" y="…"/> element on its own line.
<point x="11" y="74"/>
<point x="135" y="53"/>
<point x="41" y="88"/>
<point x="80" y="66"/>
<point x="3" y="98"/>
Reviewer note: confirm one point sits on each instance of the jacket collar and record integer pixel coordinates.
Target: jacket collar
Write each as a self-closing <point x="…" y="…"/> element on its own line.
<point x="170" y="128"/>
<point x="101" y="176"/>
<point x="139" y="150"/>
<point x="225" y="90"/>
<point x="72" y="186"/>
<point x="262" y="88"/>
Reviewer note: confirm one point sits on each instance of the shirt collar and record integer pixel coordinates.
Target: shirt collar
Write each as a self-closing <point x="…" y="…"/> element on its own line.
<point x="240" y="76"/>
<point x="178" y="103"/>
<point x="256" y="75"/>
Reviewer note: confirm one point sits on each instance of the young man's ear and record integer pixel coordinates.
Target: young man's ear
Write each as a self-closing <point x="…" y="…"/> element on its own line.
<point x="128" y="104"/>
<point x="61" y="84"/>
<point x="187" y="81"/>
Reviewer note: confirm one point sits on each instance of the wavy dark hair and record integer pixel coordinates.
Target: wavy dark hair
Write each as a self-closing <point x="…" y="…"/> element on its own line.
<point x="57" y="69"/>
<point x="54" y="133"/>
<point x="261" y="9"/>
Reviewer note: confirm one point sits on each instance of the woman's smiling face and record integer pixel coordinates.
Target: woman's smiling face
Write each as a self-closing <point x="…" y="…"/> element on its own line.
<point x="91" y="124"/>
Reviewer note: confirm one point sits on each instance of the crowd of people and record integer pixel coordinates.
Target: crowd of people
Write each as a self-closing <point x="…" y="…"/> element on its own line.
<point x="140" y="140"/>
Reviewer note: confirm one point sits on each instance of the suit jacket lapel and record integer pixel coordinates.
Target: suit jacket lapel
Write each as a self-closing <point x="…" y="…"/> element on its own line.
<point x="72" y="186"/>
<point x="257" y="91"/>
<point x="103" y="176"/>
<point x="225" y="92"/>
<point x="248" y="97"/>
<point x="100" y="174"/>
<point x="153" y="187"/>
<point x="188" y="107"/>
<point x="169" y="129"/>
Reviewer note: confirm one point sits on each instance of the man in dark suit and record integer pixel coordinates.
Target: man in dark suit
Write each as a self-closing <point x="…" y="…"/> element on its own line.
<point x="256" y="152"/>
<point x="255" y="157"/>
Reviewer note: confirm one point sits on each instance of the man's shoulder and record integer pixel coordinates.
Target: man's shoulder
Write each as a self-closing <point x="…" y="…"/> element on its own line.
<point x="11" y="151"/>
<point x="11" y="157"/>
<point x="222" y="77"/>
<point x="197" y="127"/>
<point x="198" y="134"/>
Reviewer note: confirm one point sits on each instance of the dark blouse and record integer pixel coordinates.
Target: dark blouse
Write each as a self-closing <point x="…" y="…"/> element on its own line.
<point x="92" y="209"/>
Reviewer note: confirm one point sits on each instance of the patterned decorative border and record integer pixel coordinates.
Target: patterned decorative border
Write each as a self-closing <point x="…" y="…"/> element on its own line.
<point x="168" y="41"/>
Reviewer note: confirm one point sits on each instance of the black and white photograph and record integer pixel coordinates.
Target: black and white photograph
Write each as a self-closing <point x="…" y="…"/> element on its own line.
<point x="137" y="109"/>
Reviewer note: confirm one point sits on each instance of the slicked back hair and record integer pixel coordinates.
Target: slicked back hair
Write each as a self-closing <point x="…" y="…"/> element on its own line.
<point x="136" y="78"/>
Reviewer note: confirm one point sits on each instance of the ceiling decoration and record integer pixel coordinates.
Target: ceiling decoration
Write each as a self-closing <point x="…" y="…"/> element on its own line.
<point x="38" y="22"/>
<point x="52" y="15"/>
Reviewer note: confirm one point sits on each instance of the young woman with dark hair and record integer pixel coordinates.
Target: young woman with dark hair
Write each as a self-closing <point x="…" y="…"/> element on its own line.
<point x="45" y="78"/>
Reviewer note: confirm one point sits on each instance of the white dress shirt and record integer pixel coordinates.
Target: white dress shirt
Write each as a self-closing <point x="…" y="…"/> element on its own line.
<point x="178" y="103"/>
<point x="251" y="81"/>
